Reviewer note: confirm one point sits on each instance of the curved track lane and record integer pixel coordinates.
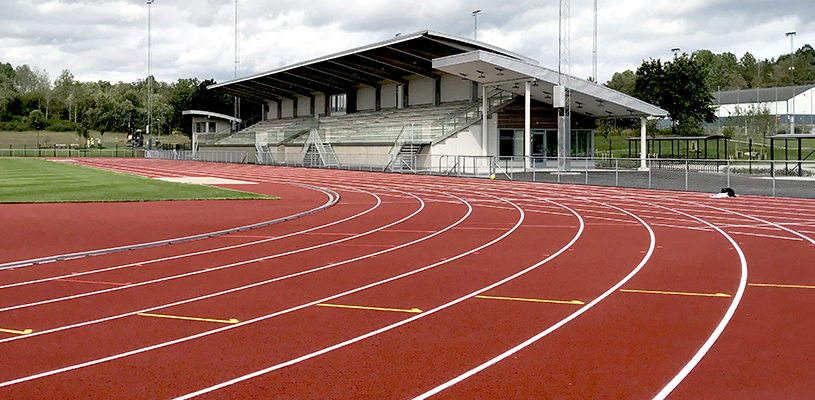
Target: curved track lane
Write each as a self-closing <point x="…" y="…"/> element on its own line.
<point x="444" y="288"/>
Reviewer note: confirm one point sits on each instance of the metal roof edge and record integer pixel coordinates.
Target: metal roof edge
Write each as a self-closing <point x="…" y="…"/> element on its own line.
<point x="398" y="39"/>
<point x="210" y="114"/>
<point x="550" y="76"/>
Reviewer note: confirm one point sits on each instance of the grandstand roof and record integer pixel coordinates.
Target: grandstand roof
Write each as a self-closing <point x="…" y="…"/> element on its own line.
<point x="392" y="60"/>
<point x="587" y="98"/>
<point x="426" y="54"/>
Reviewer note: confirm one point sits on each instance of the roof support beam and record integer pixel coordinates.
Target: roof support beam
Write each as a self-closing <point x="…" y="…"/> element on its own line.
<point x="352" y="75"/>
<point x="327" y="84"/>
<point x="399" y="66"/>
<point x="273" y="88"/>
<point x="405" y="52"/>
<point x="378" y="73"/>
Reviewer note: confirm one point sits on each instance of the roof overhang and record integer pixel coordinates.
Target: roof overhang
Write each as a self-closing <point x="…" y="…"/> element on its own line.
<point x="390" y="61"/>
<point x="207" y="114"/>
<point x="587" y="98"/>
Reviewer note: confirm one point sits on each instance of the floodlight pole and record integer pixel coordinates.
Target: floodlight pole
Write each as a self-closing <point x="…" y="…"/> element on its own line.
<point x="236" y="99"/>
<point x="791" y="35"/>
<point x="594" y="47"/>
<point x="475" y="17"/>
<point x="675" y="50"/>
<point x="149" y="68"/>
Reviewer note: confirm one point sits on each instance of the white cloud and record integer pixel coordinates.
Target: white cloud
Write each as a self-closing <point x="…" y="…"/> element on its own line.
<point x="107" y="40"/>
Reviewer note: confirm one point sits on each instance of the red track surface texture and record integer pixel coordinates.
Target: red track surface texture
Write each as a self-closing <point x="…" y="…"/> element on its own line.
<point x="410" y="288"/>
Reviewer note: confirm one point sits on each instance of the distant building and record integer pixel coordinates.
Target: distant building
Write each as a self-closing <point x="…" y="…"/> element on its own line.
<point x="210" y="123"/>
<point x="778" y="100"/>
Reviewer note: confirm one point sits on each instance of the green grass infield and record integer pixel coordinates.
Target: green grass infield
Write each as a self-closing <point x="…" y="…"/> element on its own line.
<point x="42" y="181"/>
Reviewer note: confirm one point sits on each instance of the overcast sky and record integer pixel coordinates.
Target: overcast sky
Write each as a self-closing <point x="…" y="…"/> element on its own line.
<point x="107" y="39"/>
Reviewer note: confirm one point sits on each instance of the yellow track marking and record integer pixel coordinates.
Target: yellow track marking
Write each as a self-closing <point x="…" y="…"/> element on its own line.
<point x="781" y="286"/>
<point x="412" y="310"/>
<point x="25" y="332"/>
<point x="222" y="321"/>
<point x="576" y="302"/>
<point x="676" y="293"/>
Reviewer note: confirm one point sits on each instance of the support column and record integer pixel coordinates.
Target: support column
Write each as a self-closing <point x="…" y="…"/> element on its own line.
<point x="527" y="125"/>
<point x="643" y="145"/>
<point x="485" y="108"/>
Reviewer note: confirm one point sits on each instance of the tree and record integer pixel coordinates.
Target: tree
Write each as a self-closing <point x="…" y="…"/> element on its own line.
<point x="36" y="120"/>
<point x="680" y="88"/>
<point x="64" y="90"/>
<point x="623" y="82"/>
<point x="7" y="91"/>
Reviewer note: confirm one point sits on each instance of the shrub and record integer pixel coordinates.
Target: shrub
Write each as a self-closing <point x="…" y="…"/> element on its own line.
<point x="61" y="125"/>
<point x="36" y="120"/>
<point x="14" y="125"/>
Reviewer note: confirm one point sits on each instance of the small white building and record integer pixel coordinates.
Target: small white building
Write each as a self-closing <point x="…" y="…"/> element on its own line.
<point x="783" y="102"/>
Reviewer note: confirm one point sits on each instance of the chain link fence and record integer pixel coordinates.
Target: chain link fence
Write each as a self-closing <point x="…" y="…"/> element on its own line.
<point x="69" y="151"/>
<point x="789" y="178"/>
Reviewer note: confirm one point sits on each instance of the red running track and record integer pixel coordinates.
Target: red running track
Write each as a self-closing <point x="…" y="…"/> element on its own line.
<point x="416" y="287"/>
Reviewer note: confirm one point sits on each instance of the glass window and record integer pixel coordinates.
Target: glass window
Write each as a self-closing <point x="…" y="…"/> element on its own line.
<point x="338" y="102"/>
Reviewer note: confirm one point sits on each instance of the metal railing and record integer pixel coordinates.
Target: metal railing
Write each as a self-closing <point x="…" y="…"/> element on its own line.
<point x="70" y="151"/>
<point x="232" y="157"/>
<point x="765" y="178"/>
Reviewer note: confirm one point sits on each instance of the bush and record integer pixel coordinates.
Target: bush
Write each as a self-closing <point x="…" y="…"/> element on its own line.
<point x="13" y="125"/>
<point x="36" y="120"/>
<point x="61" y="125"/>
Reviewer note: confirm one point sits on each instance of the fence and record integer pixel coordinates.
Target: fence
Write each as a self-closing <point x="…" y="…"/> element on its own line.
<point x="233" y="157"/>
<point x="69" y="151"/>
<point x="766" y="178"/>
<point x="786" y="178"/>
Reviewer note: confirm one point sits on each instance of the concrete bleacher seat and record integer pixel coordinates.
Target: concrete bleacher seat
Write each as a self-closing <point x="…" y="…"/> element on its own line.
<point x="363" y="127"/>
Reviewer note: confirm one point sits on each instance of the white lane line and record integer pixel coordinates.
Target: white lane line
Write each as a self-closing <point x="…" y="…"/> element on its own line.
<point x="198" y="272"/>
<point x="556" y="326"/>
<point x="406" y="321"/>
<point x="731" y="310"/>
<point x="332" y="200"/>
<point x="186" y="255"/>
<point x="261" y="318"/>
<point x="779" y="226"/>
<point x="250" y="286"/>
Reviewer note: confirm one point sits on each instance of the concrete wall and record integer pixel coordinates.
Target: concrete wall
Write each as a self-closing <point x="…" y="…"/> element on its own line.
<point x="466" y="143"/>
<point x="303" y="106"/>
<point x="389" y="95"/>
<point x="366" y="99"/>
<point x="453" y="88"/>
<point x="272" y="113"/>
<point x="288" y="109"/>
<point x="422" y="91"/>
<point x="319" y="104"/>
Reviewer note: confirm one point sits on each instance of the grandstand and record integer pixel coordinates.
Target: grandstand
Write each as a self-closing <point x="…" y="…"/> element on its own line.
<point x="421" y="94"/>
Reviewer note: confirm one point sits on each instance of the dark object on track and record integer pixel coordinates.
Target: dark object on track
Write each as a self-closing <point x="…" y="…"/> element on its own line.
<point x="730" y="192"/>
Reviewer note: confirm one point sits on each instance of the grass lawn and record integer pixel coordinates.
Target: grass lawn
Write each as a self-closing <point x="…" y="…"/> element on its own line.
<point x="41" y="181"/>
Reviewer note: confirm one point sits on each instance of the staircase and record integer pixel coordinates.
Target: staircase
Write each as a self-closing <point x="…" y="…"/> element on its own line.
<point x="318" y="154"/>
<point x="263" y="155"/>
<point x="406" y="157"/>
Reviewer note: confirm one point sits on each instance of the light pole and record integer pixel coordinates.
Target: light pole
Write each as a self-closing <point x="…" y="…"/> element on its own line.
<point x="149" y="68"/>
<point x="791" y="35"/>
<point x="475" y="17"/>
<point x="675" y="50"/>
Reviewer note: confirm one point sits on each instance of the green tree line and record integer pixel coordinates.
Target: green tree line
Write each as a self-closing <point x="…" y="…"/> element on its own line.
<point x="685" y="85"/>
<point x="30" y="100"/>
<point x="726" y="71"/>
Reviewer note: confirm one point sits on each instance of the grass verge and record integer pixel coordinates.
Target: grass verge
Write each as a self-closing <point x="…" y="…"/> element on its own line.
<point x="42" y="181"/>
